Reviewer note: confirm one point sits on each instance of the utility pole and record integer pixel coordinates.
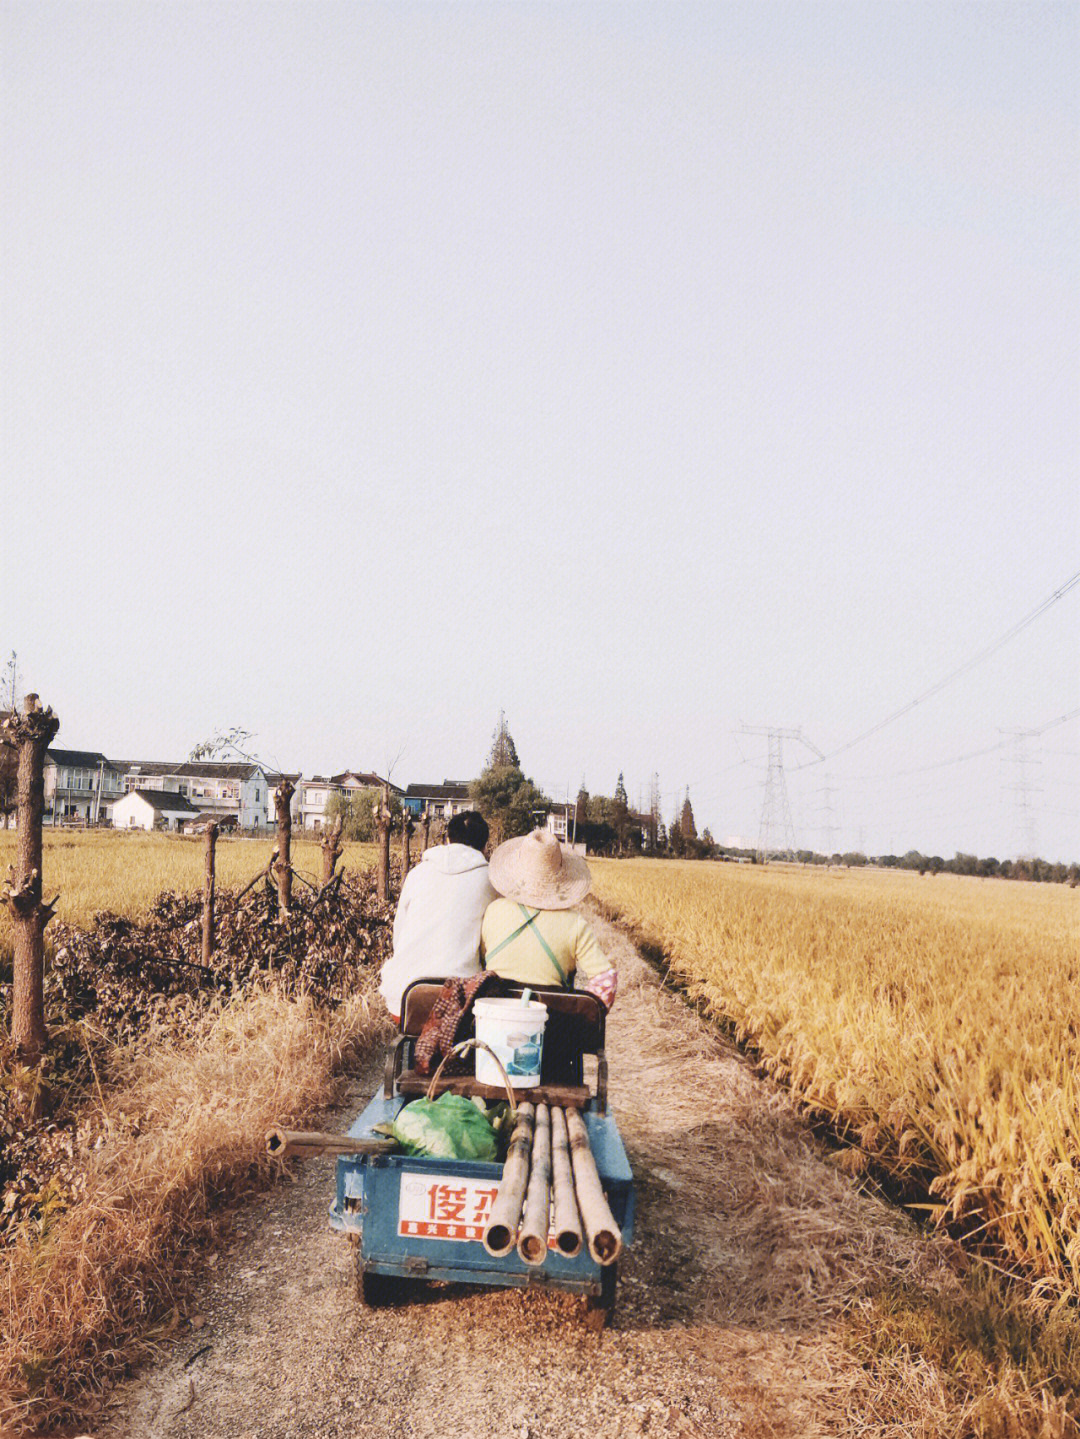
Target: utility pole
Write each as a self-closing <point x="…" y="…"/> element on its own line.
<point x="776" y="808"/>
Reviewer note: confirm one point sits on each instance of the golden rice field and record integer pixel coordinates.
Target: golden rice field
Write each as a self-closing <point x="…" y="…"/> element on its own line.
<point x="934" y="1019"/>
<point x="125" y="872"/>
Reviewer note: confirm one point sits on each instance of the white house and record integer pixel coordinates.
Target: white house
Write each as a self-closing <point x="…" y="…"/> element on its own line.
<point x="315" y="793"/>
<point x="151" y="809"/>
<point x="235" y="788"/>
<point x="79" y="785"/>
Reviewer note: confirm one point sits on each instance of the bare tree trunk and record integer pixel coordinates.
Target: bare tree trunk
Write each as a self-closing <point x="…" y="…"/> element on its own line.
<point x="425" y="828"/>
<point x="282" y="868"/>
<point x="31" y="733"/>
<point x="208" y="894"/>
<point x="406" y="832"/>
<point x="382" y="823"/>
<point x="331" y="850"/>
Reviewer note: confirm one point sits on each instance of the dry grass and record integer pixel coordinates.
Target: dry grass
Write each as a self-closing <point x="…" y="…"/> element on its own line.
<point x="125" y="871"/>
<point x="187" y="1123"/>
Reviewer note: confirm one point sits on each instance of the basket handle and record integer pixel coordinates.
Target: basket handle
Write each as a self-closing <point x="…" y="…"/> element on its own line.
<point x="463" y="1048"/>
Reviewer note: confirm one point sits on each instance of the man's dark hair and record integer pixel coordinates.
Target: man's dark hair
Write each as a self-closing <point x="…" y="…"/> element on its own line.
<point x="468" y="828"/>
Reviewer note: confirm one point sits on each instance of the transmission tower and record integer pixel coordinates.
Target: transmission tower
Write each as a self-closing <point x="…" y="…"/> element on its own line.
<point x="1023" y="787"/>
<point x="776" y="809"/>
<point x="654" y="812"/>
<point x="829" y="826"/>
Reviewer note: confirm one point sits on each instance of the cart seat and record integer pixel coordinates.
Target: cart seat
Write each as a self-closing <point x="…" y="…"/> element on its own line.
<point x="575" y="1027"/>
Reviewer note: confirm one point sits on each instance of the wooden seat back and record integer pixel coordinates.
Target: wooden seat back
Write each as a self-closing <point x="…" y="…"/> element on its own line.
<point x="575" y="1023"/>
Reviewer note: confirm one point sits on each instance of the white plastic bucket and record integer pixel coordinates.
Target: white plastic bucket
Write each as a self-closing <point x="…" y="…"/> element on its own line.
<point x="515" y="1031"/>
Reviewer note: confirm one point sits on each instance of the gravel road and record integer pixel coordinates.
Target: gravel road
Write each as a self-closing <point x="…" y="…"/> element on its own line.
<point x="749" y="1247"/>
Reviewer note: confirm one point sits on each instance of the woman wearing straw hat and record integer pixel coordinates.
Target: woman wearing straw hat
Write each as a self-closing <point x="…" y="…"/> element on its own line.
<point x="533" y="934"/>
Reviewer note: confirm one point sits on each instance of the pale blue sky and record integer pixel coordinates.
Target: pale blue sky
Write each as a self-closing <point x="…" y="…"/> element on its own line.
<point x="644" y="370"/>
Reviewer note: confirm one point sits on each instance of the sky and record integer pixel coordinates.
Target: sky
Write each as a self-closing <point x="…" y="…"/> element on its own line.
<point x="658" y="374"/>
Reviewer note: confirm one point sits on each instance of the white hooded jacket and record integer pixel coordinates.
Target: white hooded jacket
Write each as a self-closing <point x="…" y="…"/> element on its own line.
<point x="437" y="925"/>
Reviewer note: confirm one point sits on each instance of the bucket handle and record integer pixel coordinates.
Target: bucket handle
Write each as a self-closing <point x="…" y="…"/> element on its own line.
<point x="463" y="1048"/>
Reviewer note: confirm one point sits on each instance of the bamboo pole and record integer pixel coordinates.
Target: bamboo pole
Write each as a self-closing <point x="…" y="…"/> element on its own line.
<point x="501" y="1232"/>
<point x="282" y="1143"/>
<point x="533" y="1238"/>
<point x="568" y="1236"/>
<point x="601" y="1230"/>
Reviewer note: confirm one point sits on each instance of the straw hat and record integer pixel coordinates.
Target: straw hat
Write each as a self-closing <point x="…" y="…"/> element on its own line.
<point x="538" y="871"/>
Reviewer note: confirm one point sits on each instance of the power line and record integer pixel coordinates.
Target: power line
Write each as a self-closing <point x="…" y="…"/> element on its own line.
<point x="954" y="674"/>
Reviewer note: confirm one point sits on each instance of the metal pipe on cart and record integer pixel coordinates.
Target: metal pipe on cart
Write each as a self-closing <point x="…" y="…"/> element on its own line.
<point x="567" y="1216"/>
<point x="601" y="1230"/>
<point x="501" y="1232"/>
<point x="533" y="1239"/>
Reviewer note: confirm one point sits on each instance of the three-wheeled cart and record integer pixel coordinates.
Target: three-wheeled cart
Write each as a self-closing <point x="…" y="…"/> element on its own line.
<point x="418" y="1219"/>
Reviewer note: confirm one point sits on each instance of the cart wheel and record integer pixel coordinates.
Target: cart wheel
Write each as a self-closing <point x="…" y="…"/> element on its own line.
<point x="598" y="1307"/>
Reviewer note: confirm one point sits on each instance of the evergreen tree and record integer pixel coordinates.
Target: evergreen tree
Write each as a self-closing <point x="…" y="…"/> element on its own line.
<point x="686" y="820"/>
<point x="620" y="814"/>
<point x="504" y="753"/>
<point x="510" y="803"/>
<point x="581" y="809"/>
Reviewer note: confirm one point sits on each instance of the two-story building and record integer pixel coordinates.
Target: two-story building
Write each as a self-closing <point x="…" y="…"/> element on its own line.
<point x="79" y="786"/>
<point x="218" y="788"/>
<point x="315" y="793"/>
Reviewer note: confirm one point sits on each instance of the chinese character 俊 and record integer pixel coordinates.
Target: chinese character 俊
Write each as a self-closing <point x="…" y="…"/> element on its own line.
<point x="446" y="1202"/>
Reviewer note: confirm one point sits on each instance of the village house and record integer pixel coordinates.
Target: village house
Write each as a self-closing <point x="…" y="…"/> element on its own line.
<point x="440" y="800"/>
<point x="315" y="793"/>
<point x="151" y="809"/>
<point x="220" y="788"/>
<point x="79" y="786"/>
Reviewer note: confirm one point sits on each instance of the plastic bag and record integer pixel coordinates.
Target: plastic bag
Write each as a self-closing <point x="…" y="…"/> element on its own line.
<point x="450" y="1127"/>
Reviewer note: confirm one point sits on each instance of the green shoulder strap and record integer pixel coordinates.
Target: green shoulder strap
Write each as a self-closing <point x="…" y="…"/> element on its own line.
<point x="529" y="922"/>
<point x="544" y="944"/>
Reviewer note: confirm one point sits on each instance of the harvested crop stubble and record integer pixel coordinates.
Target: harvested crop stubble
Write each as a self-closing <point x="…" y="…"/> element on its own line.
<point x="913" y="1013"/>
<point x="124" y="871"/>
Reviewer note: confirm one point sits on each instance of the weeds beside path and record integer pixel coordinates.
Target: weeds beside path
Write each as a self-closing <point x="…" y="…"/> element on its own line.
<point x="737" y="1314"/>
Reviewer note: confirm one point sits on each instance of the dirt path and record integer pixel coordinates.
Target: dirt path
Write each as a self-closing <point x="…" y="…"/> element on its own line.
<point x="749" y="1245"/>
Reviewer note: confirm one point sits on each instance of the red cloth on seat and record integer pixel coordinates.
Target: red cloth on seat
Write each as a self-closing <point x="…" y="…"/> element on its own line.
<point x="450" y="1021"/>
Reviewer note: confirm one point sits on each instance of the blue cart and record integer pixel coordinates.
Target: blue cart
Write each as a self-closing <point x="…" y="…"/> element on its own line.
<point x="416" y="1219"/>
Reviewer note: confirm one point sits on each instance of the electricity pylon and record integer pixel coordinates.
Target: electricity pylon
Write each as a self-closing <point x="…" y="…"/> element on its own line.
<point x="1027" y="828"/>
<point x="776" y="809"/>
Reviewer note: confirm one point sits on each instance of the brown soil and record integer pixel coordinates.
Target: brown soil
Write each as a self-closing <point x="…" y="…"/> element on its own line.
<point x="750" y="1247"/>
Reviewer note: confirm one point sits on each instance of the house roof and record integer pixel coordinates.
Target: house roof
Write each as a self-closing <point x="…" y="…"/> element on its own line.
<point x="449" y="789"/>
<point x="362" y="779"/>
<point x="77" y="758"/>
<point x="165" y="801"/>
<point x="274" y="778"/>
<point x="191" y="769"/>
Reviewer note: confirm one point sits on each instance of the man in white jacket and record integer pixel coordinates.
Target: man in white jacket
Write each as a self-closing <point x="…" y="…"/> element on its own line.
<point x="442" y="904"/>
